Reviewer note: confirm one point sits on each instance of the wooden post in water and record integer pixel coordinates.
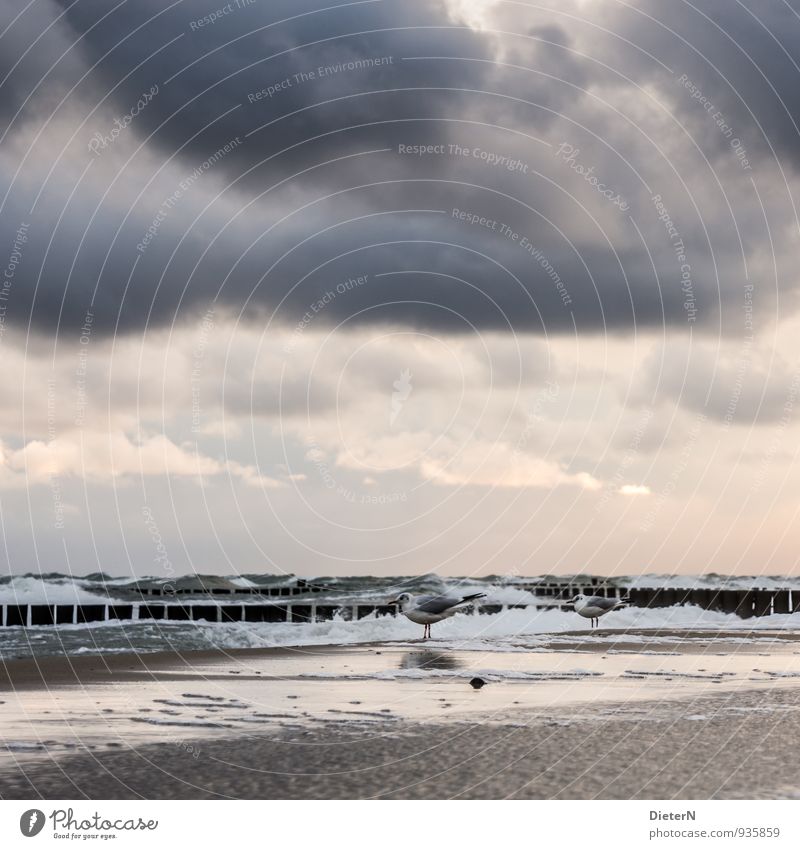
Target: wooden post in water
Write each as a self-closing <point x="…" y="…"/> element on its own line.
<point x="658" y="599"/>
<point x="633" y="598"/>
<point x="744" y="608"/>
<point x="780" y="601"/>
<point x="762" y="602"/>
<point x="730" y="600"/>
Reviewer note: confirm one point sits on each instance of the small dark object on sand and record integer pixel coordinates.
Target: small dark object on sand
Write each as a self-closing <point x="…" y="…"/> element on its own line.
<point x="477" y="683"/>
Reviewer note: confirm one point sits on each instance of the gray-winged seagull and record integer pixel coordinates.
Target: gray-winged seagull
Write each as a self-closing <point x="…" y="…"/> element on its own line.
<point x="427" y="609"/>
<point x="594" y="606"/>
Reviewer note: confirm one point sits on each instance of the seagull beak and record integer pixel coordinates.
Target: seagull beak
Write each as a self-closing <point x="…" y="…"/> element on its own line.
<point x="394" y="601"/>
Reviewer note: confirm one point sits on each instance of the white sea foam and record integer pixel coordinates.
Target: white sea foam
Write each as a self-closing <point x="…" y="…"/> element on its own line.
<point x="243" y="582"/>
<point x="506" y="630"/>
<point x="27" y="590"/>
<point x="709" y="581"/>
<point x="521" y="630"/>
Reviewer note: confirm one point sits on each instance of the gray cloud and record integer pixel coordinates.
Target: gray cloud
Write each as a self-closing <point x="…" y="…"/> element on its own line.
<point x="587" y="267"/>
<point x="736" y="386"/>
<point x="742" y="59"/>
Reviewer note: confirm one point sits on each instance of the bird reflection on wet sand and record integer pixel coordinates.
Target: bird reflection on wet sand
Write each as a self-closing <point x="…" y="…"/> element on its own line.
<point x="429" y="660"/>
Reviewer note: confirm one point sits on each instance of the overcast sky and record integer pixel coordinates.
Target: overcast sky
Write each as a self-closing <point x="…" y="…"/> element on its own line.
<point x="399" y="286"/>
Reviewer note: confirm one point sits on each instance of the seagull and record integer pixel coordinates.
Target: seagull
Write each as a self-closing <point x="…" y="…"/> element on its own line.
<point x="594" y="606"/>
<point x="427" y="609"/>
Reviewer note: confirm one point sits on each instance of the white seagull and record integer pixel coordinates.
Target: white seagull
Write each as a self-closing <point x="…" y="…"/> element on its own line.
<point x="594" y="606"/>
<point x="427" y="609"/>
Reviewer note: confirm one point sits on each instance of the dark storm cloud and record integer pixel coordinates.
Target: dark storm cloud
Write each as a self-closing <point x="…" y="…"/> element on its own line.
<point x="742" y="58"/>
<point x="279" y="75"/>
<point x="259" y="61"/>
<point x="436" y="269"/>
<point x="33" y="47"/>
<point x="131" y="262"/>
<point x="262" y="71"/>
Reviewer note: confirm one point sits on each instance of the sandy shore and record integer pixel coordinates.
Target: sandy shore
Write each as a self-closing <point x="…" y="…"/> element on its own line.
<point x="83" y="670"/>
<point x="741" y="750"/>
<point x="625" y="716"/>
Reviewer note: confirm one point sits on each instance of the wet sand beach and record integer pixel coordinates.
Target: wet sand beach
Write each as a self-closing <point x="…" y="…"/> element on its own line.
<point x="609" y="715"/>
<point x="709" y="748"/>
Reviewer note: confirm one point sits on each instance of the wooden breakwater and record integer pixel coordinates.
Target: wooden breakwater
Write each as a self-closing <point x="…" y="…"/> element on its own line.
<point x="28" y="615"/>
<point x="84" y="614"/>
<point x="743" y="603"/>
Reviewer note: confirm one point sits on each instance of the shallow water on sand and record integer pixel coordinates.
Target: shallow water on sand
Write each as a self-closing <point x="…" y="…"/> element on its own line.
<point x="276" y="692"/>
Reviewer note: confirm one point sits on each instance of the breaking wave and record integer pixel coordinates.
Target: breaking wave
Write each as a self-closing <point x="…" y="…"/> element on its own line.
<point x="510" y="630"/>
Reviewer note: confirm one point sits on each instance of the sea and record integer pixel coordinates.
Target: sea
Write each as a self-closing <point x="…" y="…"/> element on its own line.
<point x="514" y="628"/>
